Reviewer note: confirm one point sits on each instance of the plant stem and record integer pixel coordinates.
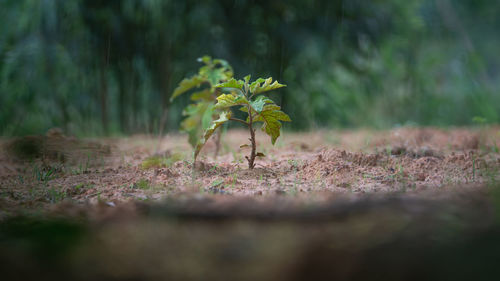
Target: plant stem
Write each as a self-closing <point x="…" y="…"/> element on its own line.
<point x="251" y="160"/>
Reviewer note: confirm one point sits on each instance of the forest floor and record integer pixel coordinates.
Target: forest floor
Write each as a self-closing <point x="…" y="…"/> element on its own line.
<point x="343" y="197"/>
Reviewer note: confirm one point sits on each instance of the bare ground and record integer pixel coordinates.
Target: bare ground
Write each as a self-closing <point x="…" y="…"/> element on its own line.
<point x="315" y="166"/>
<point x="405" y="204"/>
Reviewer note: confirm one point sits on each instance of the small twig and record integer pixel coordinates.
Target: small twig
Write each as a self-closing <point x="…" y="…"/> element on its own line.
<point x="239" y="120"/>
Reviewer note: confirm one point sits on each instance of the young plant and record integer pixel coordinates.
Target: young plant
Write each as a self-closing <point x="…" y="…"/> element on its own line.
<point x="258" y="107"/>
<point x="201" y="113"/>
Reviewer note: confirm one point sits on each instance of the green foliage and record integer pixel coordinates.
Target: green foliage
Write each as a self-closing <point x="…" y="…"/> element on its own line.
<point x="200" y="114"/>
<point x="223" y="118"/>
<point x="186" y="85"/>
<point x="271" y="116"/>
<point x="258" y="109"/>
<point x="93" y="67"/>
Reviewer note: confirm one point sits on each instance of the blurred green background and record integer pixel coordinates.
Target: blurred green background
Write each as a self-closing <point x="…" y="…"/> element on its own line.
<point x="108" y="67"/>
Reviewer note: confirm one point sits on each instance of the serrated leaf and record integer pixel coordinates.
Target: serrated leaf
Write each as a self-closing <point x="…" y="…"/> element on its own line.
<point x="186" y="85"/>
<point x="232" y="83"/>
<point x="257" y="88"/>
<point x="223" y="118"/>
<point x="228" y="100"/>
<point x="256" y="84"/>
<point x="267" y="107"/>
<point x="271" y="107"/>
<point x="214" y="75"/>
<point x="258" y="103"/>
<point x="271" y="117"/>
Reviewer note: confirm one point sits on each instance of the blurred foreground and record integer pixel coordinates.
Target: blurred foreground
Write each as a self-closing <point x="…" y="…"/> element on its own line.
<point x="392" y="238"/>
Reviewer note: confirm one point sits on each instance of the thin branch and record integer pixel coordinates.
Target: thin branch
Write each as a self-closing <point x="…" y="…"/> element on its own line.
<point x="254" y="94"/>
<point x="239" y="120"/>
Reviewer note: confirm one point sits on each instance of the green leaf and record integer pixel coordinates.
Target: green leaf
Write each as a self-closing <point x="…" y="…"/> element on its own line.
<point x="215" y="71"/>
<point x="228" y="100"/>
<point x="198" y="119"/>
<point x="271" y="107"/>
<point x="223" y="118"/>
<point x="266" y="107"/>
<point x="260" y="154"/>
<point x="258" y="104"/>
<point x="271" y="117"/>
<point x="191" y="125"/>
<point x="186" y="85"/>
<point x="247" y="78"/>
<point x="202" y="95"/>
<point x="257" y="88"/>
<point x="206" y="118"/>
<point x="214" y="75"/>
<point x="232" y="83"/>
<point x="256" y="84"/>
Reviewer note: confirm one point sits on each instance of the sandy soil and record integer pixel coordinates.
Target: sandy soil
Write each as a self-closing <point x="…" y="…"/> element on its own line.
<point x="313" y="166"/>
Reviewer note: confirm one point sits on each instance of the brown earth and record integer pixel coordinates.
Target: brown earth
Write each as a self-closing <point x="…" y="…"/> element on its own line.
<point x="39" y="171"/>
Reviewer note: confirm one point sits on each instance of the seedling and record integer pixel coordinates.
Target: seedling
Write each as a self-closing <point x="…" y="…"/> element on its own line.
<point x="200" y="114"/>
<point x="259" y="108"/>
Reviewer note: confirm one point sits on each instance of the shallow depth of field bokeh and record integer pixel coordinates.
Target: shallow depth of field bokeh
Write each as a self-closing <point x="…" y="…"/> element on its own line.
<point x="98" y="67"/>
<point x="389" y="170"/>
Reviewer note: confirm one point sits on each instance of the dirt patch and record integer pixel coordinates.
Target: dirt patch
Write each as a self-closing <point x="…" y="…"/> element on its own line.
<point x="406" y="204"/>
<point x="58" y="168"/>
